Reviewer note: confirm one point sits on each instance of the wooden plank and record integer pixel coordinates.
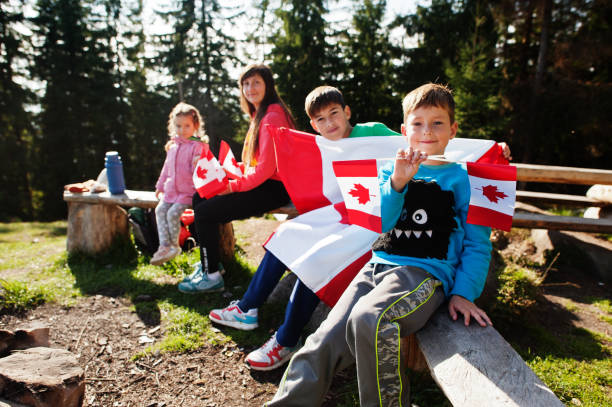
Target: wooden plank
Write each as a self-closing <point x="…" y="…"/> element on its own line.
<point x="560" y="199"/>
<point x="142" y="199"/>
<point x="575" y="223"/>
<point x="562" y="175"/>
<point x="475" y="366"/>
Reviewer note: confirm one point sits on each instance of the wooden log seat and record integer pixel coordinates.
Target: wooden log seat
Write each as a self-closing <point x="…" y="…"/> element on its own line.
<point x="96" y="220"/>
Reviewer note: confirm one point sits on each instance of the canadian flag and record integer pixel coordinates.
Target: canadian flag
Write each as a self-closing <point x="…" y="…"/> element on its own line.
<point x="358" y="182"/>
<point x="228" y="161"/>
<point x="492" y="195"/>
<point x="209" y="178"/>
<point x="321" y="246"/>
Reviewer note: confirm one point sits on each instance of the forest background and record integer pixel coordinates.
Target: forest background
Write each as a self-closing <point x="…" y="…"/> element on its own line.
<point x="82" y="77"/>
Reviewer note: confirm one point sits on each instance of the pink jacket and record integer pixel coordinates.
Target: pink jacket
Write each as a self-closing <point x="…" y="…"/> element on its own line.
<point x="264" y="154"/>
<point x="175" y="180"/>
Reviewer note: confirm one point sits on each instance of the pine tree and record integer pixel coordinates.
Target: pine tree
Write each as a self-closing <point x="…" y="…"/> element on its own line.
<point x="147" y="116"/>
<point x="368" y="83"/>
<point x="196" y="55"/>
<point x="15" y="122"/>
<point x="477" y="80"/>
<point x="301" y="57"/>
<point x="81" y="110"/>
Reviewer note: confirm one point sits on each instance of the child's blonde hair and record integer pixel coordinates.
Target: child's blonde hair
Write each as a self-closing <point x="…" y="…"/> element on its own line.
<point x="431" y="94"/>
<point x="185" y="109"/>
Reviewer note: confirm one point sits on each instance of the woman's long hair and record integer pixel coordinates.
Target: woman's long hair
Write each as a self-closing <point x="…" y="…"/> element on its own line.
<point x="271" y="96"/>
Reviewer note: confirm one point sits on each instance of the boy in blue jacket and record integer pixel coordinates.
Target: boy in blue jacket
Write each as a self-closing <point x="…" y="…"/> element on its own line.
<point x="426" y="254"/>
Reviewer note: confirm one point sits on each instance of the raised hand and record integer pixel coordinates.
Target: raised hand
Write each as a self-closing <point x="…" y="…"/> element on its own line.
<point x="406" y="165"/>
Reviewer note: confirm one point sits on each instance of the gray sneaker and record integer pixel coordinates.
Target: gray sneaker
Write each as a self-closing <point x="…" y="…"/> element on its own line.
<point x="202" y="284"/>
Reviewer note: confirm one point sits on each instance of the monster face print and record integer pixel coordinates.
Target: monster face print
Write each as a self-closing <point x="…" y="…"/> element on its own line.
<point x="425" y="224"/>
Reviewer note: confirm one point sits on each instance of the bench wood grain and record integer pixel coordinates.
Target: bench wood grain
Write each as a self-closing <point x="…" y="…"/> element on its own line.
<point x="476" y="367"/>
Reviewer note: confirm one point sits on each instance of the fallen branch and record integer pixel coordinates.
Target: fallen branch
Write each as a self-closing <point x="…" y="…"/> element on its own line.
<point x="76" y="347"/>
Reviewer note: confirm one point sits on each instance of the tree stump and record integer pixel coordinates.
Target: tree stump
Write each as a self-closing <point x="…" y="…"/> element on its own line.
<point x="227" y="242"/>
<point x="92" y="228"/>
<point x="42" y="377"/>
<point x="31" y="336"/>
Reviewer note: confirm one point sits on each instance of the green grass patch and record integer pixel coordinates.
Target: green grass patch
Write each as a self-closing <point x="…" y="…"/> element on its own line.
<point x="18" y="296"/>
<point x="517" y="287"/>
<point x="30" y="246"/>
<point x="603" y="304"/>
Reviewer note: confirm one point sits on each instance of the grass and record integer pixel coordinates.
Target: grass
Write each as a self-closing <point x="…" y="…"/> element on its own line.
<point x="35" y="269"/>
<point x="576" y="366"/>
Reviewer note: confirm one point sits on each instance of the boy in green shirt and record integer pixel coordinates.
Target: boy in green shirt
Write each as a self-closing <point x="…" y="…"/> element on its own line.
<point x="329" y="116"/>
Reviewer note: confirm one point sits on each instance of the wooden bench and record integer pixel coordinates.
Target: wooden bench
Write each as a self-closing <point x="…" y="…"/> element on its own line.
<point x="97" y="220"/>
<point x="560" y="175"/>
<point x="476" y="367"/>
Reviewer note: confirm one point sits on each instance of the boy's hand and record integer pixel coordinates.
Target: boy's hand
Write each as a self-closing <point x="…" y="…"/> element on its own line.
<point x="406" y="165"/>
<point x="158" y="193"/>
<point x="468" y="309"/>
<point x="506" y="151"/>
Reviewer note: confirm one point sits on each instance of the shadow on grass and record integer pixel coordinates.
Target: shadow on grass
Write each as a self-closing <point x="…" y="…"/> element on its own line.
<point x="119" y="273"/>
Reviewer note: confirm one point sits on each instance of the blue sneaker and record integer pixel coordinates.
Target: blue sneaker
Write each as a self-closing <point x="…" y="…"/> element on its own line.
<point x="197" y="272"/>
<point x="234" y="317"/>
<point x="202" y="284"/>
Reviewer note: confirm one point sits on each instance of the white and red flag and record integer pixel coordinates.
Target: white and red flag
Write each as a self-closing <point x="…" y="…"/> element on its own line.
<point x="209" y="178"/>
<point x="492" y="195"/>
<point x="358" y="182"/>
<point x="228" y="161"/>
<point x="321" y="246"/>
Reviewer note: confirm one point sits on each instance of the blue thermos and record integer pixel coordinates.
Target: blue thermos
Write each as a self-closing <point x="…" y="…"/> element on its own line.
<point x="114" y="172"/>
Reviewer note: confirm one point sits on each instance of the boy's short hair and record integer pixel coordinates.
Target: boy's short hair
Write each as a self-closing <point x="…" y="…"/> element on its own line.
<point x="431" y="94"/>
<point x="321" y="97"/>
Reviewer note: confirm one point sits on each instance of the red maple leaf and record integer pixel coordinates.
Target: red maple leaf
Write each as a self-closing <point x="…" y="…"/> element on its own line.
<point x="234" y="162"/>
<point x="201" y="172"/>
<point x="491" y="192"/>
<point x="361" y="193"/>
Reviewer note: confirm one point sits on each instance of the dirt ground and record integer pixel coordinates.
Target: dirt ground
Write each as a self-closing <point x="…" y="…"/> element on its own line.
<point x="104" y="333"/>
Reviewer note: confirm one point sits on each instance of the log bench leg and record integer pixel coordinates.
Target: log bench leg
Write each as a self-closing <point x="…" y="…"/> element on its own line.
<point x="92" y="228"/>
<point x="227" y="242"/>
<point x="411" y="354"/>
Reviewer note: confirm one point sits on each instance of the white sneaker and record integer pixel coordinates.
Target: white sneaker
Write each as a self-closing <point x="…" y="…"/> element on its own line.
<point x="234" y="317"/>
<point x="270" y="355"/>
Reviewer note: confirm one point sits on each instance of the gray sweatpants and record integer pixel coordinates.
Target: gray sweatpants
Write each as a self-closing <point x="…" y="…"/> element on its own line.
<point x="382" y="304"/>
<point x="168" y="217"/>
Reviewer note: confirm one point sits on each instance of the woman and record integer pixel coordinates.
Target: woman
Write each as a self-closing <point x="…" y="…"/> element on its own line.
<point x="258" y="191"/>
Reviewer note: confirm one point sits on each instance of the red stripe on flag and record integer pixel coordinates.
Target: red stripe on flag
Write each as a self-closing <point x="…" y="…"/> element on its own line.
<point x="336" y="286"/>
<point x="223" y="150"/>
<point x="341" y="208"/>
<point x="492" y="171"/>
<point x="365" y="220"/>
<point x="212" y="188"/>
<point x="355" y="168"/>
<point x="494" y="155"/>
<point x="478" y="215"/>
<point x="297" y="153"/>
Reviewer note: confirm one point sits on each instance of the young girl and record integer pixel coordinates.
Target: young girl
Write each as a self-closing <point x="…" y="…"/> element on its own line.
<point x="257" y="192"/>
<point x="175" y="181"/>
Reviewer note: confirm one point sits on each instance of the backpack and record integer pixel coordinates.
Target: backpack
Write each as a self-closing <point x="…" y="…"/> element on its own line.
<point x="144" y="228"/>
